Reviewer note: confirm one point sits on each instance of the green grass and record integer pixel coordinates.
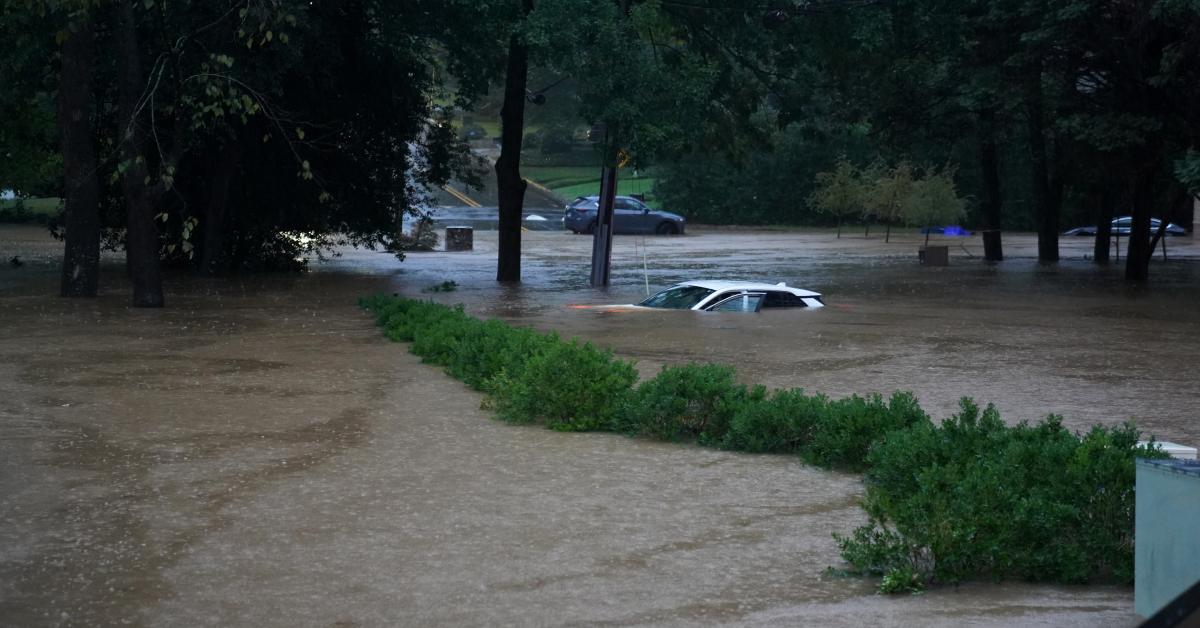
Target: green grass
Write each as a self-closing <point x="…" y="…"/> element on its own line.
<point x="491" y="127"/>
<point x="572" y="181"/>
<point x="626" y="186"/>
<point x="561" y="176"/>
<point x="37" y="210"/>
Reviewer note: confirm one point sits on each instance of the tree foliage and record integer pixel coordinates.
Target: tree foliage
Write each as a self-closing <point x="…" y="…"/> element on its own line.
<point x="840" y="192"/>
<point x="257" y="120"/>
<point x="933" y="200"/>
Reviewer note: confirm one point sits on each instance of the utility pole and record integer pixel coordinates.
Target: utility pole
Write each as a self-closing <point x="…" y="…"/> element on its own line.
<point x="602" y="235"/>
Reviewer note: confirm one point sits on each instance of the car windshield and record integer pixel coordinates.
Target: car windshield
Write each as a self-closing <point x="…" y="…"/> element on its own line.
<point x="678" y="298"/>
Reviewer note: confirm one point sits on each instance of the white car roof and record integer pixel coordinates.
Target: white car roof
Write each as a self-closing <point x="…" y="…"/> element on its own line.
<point x="713" y="284"/>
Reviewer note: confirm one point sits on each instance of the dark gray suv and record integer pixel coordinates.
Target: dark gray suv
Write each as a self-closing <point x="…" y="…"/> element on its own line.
<point x="629" y="216"/>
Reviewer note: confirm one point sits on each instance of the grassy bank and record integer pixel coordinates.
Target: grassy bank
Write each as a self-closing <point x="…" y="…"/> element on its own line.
<point x="572" y="181"/>
<point x="968" y="498"/>
<point x="29" y="210"/>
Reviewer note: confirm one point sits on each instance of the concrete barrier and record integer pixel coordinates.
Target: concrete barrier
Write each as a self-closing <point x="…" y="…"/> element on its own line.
<point x="460" y="238"/>
<point x="1167" y="532"/>
<point x="934" y="255"/>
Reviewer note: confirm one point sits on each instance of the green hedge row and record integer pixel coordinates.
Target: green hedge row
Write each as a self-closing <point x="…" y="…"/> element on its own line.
<point x="971" y="497"/>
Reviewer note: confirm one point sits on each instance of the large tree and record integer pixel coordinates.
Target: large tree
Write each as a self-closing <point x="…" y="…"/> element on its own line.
<point x="509" y="182"/>
<point x="243" y="132"/>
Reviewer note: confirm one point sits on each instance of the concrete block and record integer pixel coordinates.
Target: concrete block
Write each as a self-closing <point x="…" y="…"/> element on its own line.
<point x="460" y="238"/>
<point x="934" y="255"/>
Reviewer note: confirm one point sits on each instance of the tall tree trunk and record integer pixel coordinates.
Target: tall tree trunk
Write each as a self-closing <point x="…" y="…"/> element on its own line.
<point x="1108" y="205"/>
<point x="1179" y="199"/>
<point x="1137" y="255"/>
<point x="81" y="254"/>
<point x="1044" y="197"/>
<point x="218" y="201"/>
<point x="141" y="236"/>
<point x="993" y="200"/>
<point x="510" y="185"/>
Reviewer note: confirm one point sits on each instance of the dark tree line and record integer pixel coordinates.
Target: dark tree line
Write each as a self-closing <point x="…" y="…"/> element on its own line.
<point x="238" y="134"/>
<point x="235" y="134"/>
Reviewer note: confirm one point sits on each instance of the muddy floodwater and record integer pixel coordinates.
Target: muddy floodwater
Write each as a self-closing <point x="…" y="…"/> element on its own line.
<point x="257" y="454"/>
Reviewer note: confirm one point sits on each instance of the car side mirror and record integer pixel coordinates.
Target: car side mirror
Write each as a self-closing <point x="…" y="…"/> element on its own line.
<point x="645" y="210"/>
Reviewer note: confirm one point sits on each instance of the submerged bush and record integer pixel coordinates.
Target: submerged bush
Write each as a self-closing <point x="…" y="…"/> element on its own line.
<point x="492" y="347"/>
<point x="974" y="497"/>
<point x="969" y="498"/>
<point x="782" y="422"/>
<point x="565" y="385"/>
<point x="694" y="401"/>
<point x="848" y="427"/>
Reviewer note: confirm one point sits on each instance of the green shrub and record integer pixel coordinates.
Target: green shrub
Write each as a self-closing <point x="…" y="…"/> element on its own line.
<point x="694" y="401"/>
<point x="977" y="498"/>
<point x="491" y="347"/>
<point x="438" y="338"/>
<point x="565" y="385"/>
<point x="780" y="423"/>
<point x="401" y="318"/>
<point x="845" y="431"/>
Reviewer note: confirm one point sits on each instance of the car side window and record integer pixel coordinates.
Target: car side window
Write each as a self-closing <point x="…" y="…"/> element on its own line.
<point x="783" y="299"/>
<point x="745" y="302"/>
<point x="622" y="203"/>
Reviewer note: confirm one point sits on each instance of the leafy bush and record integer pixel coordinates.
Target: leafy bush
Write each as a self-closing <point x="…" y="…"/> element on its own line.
<point x="695" y="401"/>
<point x="566" y="385"/>
<point x="782" y="422"/>
<point x="846" y="430"/>
<point x="438" y="337"/>
<point x="975" y="497"/>
<point x="492" y="347"/>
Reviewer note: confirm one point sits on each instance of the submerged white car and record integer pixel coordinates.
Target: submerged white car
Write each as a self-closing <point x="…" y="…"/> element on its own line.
<point x="732" y="296"/>
<point x="721" y="296"/>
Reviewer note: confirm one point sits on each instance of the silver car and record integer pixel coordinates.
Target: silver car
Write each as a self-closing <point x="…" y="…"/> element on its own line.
<point x="1124" y="226"/>
<point x="629" y="216"/>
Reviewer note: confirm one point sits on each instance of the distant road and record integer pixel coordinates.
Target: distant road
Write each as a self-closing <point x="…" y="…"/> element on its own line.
<point x="457" y="194"/>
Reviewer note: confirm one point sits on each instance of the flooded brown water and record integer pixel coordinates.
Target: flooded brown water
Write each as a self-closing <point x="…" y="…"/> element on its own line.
<point x="256" y="454"/>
